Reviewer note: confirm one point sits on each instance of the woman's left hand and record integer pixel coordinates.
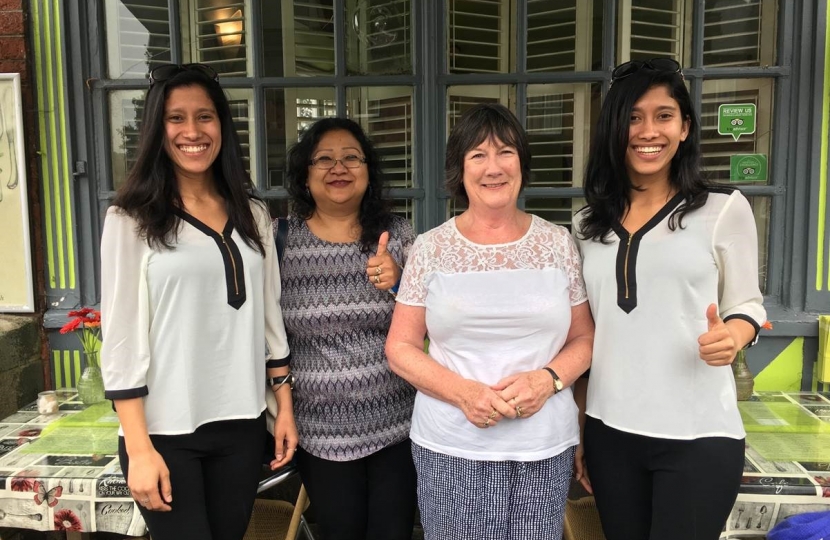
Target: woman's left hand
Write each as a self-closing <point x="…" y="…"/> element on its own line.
<point x="526" y="392"/>
<point x="717" y="346"/>
<point x="286" y="439"/>
<point x="382" y="270"/>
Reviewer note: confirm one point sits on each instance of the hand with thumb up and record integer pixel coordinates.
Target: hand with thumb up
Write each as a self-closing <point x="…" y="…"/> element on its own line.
<point x="718" y="346"/>
<point x="382" y="270"/>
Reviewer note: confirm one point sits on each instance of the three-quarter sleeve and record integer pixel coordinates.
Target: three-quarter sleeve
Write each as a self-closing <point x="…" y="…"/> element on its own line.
<point x="277" y="354"/>
<point x="736" y="251"/>
<point x="125" y="327"/>
<point x="413" y="289"/>
<point x="407" y="237"/>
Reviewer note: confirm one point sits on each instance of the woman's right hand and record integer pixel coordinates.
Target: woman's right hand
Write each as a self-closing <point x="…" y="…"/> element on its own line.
<point x="149" y="481"/>
<point x="581" y="469"/>
<point x="482" y="406"/>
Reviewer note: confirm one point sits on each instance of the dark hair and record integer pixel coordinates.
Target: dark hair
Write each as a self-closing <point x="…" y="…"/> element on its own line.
<point x="607" y="185"/>
<point x="374" y="214"/>
<point x="151" y="194"/>
<point x="484" y="121"/>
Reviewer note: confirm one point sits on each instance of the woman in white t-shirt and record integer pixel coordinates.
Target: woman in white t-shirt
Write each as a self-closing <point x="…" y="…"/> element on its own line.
<point x="501" y="295"/>
<point x="191" y="316"/>
<point x="671" y="269"/>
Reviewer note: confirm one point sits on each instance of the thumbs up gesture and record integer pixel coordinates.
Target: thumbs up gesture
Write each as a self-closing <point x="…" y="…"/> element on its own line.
<point x="717" y="346"/>
<point x="382" y="270"/>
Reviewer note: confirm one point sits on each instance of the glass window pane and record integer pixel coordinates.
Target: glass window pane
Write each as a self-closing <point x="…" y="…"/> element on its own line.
<point x="559" y="211"/>
<point x="214" y="33"/>
<point x="761" y="208"/>
<point x="386" y="115"/>
<point x="138" y="36"/>
<point x="717" y="149"/>
<point x="379" y="37"/>
<point x="479" y="36"/>
<point x="652" y="28"/>
<point x="739" y="32"/>
<point x="563" y="36"/>
<point x="126" y="108"/>
<point x="557" y="122"/>
<point x="289" y="111"/>
<point x="405" y="208"/>
<point x="242" y="108"/>
<point x="461" y="98"/>
<point x="270" y="20"/>
<point x="308" y="36"/>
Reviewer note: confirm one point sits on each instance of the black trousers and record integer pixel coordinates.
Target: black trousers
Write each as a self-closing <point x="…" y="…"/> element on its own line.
<point x="654" y="489"/>
<point x="214" y="472"/>
<point x="372" y="498"/>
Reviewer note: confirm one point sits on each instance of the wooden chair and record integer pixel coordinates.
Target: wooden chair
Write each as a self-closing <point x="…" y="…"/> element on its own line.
<point x="582" y="520"/>
<point x="278" y="520"/>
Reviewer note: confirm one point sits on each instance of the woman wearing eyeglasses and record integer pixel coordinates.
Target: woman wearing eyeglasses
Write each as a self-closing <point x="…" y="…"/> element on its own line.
<point x="343" y="256"/>
<point x="671" y="267"/>
<point x="189" y="300"/>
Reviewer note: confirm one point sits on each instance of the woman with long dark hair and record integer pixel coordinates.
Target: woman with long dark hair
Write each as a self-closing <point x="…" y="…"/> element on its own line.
<point x="344" y="253"/>
<point x="671" y="267"/>
<point x="191" y="318"/>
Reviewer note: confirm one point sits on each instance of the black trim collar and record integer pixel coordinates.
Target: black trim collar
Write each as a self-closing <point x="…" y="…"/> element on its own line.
<point x="626" y="268"/>
<point x="231" y="258"/>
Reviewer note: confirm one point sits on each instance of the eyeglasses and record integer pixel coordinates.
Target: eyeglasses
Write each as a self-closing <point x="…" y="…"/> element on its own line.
<point x="655" y="64"/>
<point x="327" y="162"/>
<point x="168" y="71"/>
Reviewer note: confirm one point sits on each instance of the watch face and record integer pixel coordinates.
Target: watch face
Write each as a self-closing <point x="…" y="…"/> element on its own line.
<point x="558" y="385"/>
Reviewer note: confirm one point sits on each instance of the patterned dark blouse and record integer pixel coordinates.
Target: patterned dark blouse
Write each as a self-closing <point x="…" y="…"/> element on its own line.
<point x="347" y="402"/>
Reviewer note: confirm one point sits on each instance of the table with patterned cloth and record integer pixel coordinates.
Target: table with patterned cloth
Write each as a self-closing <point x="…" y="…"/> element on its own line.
<point x="61" y="472"/>
<point x="787" y="463"/>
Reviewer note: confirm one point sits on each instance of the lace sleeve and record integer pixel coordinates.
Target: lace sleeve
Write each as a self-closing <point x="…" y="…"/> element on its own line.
<point x="413" y="289"/>
<point x="572" y="265"/>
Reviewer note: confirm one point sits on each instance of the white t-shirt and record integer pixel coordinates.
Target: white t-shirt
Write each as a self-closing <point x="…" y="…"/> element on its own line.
<point x="646" y="375"/>
<point x="492" y="311"/>
<point x="170" y="333"/>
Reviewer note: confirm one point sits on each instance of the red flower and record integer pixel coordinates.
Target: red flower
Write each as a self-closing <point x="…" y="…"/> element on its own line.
<point x="66" y="520"/>
<point x="22" y="484"/>
<point x="71" y="326"/>
<point x="81" y="312"/>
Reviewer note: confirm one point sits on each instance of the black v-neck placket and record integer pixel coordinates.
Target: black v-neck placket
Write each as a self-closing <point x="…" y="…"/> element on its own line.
<point x="629" y="248"/>
<point x="231" y="258"/>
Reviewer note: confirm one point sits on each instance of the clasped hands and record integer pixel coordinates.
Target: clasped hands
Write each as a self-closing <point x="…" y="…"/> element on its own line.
<point x="520" y="395"/>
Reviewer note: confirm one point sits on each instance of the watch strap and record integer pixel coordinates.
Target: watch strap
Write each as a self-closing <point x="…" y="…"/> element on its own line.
<point x="557" y="382"/>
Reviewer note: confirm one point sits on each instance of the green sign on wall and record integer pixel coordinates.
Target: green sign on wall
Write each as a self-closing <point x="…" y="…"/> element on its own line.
<point x="747" y="168"/>
<point x="736" y="119"/>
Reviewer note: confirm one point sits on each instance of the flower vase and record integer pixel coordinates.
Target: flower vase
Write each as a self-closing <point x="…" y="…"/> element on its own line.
<point x="744" y="383"/>
<point x="91" y="383"/>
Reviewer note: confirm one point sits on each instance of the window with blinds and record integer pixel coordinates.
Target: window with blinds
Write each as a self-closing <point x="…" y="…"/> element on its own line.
<point x="138" y="36"/>
<point x="733" y="31"/>
<point x="479" y="34"/>
<point x="378" y="36"/>
<point x="308" y="27"/>
<point x="214" y="33"/>
<point x="552" y="35"/>
<point x="652" y="28"/>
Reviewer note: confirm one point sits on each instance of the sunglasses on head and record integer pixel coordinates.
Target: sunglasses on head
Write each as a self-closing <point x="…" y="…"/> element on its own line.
<point x="168" y="71"/>
<point x="667" y="65"/>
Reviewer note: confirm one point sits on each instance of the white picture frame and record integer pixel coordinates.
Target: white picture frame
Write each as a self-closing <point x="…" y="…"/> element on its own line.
<point x="16" y="278"/>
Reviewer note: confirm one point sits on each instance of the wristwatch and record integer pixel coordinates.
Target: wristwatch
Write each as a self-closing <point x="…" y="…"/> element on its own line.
<point x="276" y="382"/>
<point x="557" y="382"/>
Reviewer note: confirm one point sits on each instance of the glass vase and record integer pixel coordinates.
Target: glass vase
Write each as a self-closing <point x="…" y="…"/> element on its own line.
<point x="91" y="383"/>
<point x="744" y="382"/>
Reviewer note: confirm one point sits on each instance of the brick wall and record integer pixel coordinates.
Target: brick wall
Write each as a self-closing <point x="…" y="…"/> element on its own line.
<point x="24" y="358"/>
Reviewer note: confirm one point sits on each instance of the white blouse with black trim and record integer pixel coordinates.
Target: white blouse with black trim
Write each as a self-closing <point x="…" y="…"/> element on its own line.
<point x="190" y="329"/>
<point x="649" y="292"/>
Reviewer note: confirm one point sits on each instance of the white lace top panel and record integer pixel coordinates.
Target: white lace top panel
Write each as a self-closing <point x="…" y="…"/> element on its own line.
<point x="444" y="250"/>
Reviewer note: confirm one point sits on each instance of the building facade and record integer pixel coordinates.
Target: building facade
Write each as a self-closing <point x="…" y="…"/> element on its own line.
<point x="406" y="70"/>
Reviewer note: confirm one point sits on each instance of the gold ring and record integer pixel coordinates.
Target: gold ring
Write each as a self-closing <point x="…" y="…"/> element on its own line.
<point x="493" y="414"/>
<point x="378" y="271"/>
<point x="376" y="279"/>
<point x="487" y="423"/>
<point x="519" y="411"/>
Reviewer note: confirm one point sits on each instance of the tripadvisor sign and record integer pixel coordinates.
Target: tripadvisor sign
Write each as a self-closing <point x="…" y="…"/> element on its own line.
<point x="748" y="168"/>
<point x="736" y="119"/>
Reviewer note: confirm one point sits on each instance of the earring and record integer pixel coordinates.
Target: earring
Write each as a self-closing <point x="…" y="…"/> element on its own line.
<point x="307" y="191"/>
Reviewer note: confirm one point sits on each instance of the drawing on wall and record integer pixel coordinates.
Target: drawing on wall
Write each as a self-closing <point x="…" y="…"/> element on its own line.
<point x="16" y="293"/>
